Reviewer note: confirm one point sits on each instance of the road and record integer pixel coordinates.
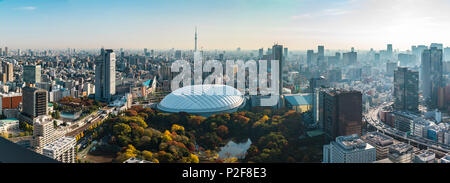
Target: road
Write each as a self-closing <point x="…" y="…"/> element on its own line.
<point x="93" y="118"/>
<point x="373" y="119"/>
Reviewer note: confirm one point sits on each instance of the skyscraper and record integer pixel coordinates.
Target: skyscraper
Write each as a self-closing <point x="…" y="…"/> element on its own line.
<point x="261" y="53"/>
<point x="35" y="102"/>
<point x="32" y="74"/>
<point x="195" y="39"/>
<point x="105" y="75"/>
<point x="406" y="89"/>
<point x="6" y="51"/>
<point x="8" y="71"/>
<point x="350" y="58"/>
<point x="309" y="57"/>
<point x="342" y="112"/>
<point x="432" y="71"/>
<point x="389" y="50"/>
<point x="277" y="54"/>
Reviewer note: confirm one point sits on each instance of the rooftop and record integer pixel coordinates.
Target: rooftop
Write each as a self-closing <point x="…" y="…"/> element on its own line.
<point x="379" y="138"/>
<point x="60" y="143"/>
<point x="352" y="142"/>
<point x="299" y="99"/>
<point x="401" y="148"/>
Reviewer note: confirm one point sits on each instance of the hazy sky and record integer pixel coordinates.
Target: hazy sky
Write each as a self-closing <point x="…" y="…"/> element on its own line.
<point x="223" y="24"/>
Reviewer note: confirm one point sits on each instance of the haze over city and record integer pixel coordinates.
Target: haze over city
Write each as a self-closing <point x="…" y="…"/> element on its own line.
<point x="223" y="24"/>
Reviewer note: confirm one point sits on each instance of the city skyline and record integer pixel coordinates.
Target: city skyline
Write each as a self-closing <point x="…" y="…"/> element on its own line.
<point x="249" y="24"/>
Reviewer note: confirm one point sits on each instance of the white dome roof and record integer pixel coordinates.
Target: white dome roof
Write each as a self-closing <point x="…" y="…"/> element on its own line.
<point x="202" y="99"/>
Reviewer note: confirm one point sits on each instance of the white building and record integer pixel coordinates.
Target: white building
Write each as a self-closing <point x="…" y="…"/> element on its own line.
<point x="63" y="149"/>
<point x="349" y="149"/>
<point x="7" y="125"/>
<point x="421" y="127"/>
<point x="44" y="133"/>
<point x="424" y="157"/>
<point x="445" y="159"/>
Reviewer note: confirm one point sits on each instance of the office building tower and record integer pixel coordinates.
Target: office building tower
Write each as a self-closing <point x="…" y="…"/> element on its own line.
<point x="62" y="149"/>
<point x="321" y="51"/>
<point x="349" y="149"/>
<point x="404" y="121"/>
<point x="146" y="52"/>
<point x="446" y="54"/>
<point x="1" y="51"/>
<point x="432" y="75"/>
<point x="406" y="59"/>
<point x="342" y="112"/>
<point x="350" y="58"/>
<point x="260" y="53"/>
<point x="390" y="68"/>
<point x="309" y="57"/>
<point x="8" y="71"/>
<point x="380" y="141"/>
<point x="178" y="54"/>
<point x="406" y="90"/>
<point x="320" y="82"/>
<point x="401" y="153"/>
<point x="195" y="39"/>
<point x="6" y="52"/>
<point x="286" y="53"/>
<point x="439" y="46"/>
<point x="105" y="75"/>
<point x="32" y="74"/>
<point x="35" y="102"/>
<point x="389" y="50"/>
<point x="277" y="54"/>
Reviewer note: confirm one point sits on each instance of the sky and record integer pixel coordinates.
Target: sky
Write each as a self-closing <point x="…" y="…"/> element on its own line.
<point x="223" y="24"/>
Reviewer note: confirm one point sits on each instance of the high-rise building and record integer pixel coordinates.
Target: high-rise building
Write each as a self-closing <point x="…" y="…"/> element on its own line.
<point x="432" y="75"/>
<point x="439" y="46"/>
<point x="63" y="150"/>
<point x="389" y="50"/>
<point x="105" y="75"/>
<point x="178" y="54"/>
<point x="350" y="58"/>
<point x="380" y="141"/>
<point x="349" y="149"/>
<point x="6" y="52"/>
<point x="286" y="53"/>
<point x="261" y="53"/>
<point x="195" y="39"/>
<point x="406" y="89"/>
<point x="342" y="112"/>
<point x="390" y="68"/>
<point x="32" y="74"/>
<point x="35" y="102"/>
<point x="319" y="82"/>
<point x="309" y="57"/>
<point x="321" y="51"/>
<point x="320" y="55"/>
<point x="8" y="71"/>
<point x="277" y="54"/>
